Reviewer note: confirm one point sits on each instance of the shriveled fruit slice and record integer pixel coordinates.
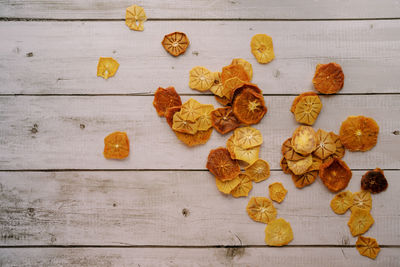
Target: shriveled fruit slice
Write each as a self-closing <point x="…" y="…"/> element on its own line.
<point x="301" y="166"/>
<point x="362" y="200"/>
<point x="200" y="79"/>
<point x="248" y="137"/>
<point x="262" y="48"/>
<point x="325" y="145"/>
<point x="222" y="100"/>
<point x="284" y="166"/>
<point x="191" y="110"/>
<point x="328" y="78"/>
<point x="339" y="151"/>
<point x="374" y="181"/>
<point x="360" y="221"/>
<point x="166" y="98"/>
<point x="261" y="209"/>
<point x="199" y="138"/>
<point x="305" y="179"/>
<point x="244" y="187"/>
<point x="342" y="202"/>
<point x="359" y="133"/>
<point x="169" y="114"/>
<point x="298" y="98"/>
<point x="107" y="67"/>
<point x="288" y="151"/>
<point x="205" y="119"/>
<point x="246" y="65"/>
<point x="135" y="18"/>
<point x="277" y="192"/>
<point x="184" y="126"/>
<point x="230" y="86"/>
<point x="226" y="187"/>
<point x="245" y="86"/>
<point x="307" y="110"/>
<point x="249" y="107"/>
<point x="367" y="246"/>
<point x="248" y="155"/>
<point x="231" y="71"/>
<point x="116" y="146"/>
<point x="316" y="163"/>
<point x="175" y="43"/>
<point x="221" y="165"/>
<point x="335" y="174"/>
<point x="217" y="87"/>
<point x="304" y="140"/>
<point x="278" y="233"/>
<point x="258" y="171"/>
<point x="223" y="120"/>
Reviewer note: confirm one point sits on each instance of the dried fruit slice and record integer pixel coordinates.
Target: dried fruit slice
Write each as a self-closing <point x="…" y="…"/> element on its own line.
<point x="166" y="98"/>
<point x="245" y="86"/>
<point x="307" y="110"/>
<point x="230" y="145"/>
<point x="226" y="187"/>
<point x="169" y="114"/>
<point x="248" y="155"/>
<point x="199" y="138"/>
<point x="305" y="179"/>
<point x="278" y="233"/>
<point x="328" y="78"/>
<point x="367" y="246"/>
<point x="221" y="165"/>
<point x="205" y="119"/>
<point x="175" y="43"/>
<point x="342" y="202"/>
<point x="359" y="133"/>
<point x="360" y="221"/>
<point x="231" y="71"/>
<point x="316" y="163"/>
<point x="223" y="120"/>
<point x="335" y="174"/>
<point x="135" y="18"/>
<point x="217" y="87"/>
<point x="244" y="187"/>
<point x="184" y="126"/>
<point x="248" y="137"/>
<point x="284" y="166"/>
<point x="258" y="171"/>
<point x="230" y="86"/>
<point x="374" y="181"/>
<point x="107" y="67"/>
<point x="325" y="145"/>
<point x="223" y="100"/>
<point x="262" y="48"/>
<point x="116" y="146"/>
<point x="246" y="65"/>
<point x="249" y="107"/>
<point x="339" y="151"/>
<point x="200" y="79"/>
<point x="298" y="98"/>
<point x="288" y="151"/>
<point x="304" y="140"/>
<point x="301" y="166"/>
<point x="261" y="209"/>
<point x="362" y="200"/>
<point x="277" y="192"/>
<point x="191" y="110"/>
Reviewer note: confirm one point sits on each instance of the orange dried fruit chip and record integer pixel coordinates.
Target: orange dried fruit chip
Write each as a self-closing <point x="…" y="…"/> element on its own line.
<point x="221" y="165"/>
<point x="362" y="200"/>
<point x="248" y="155"/>
<point x="304" y="179"/>
<point x="304" y="140"/>
<point x="107" y="67"/>
<point x="316" y="163"/>
<point x="360" y="221"/>
<point x="326" y="145"/>
<point x="116" y="146"/>
<point x="232" y="71"/>
<point x="335" y="174"/>
<point x="374" y="181"/>
<point x="301" y="166"/>
<point x="288" y="151"/>
<point x="261" y="209"/>
<point x="199" y="138"/>
<point x="328" y="78"/>
<point x="258" y="171"/>
<point x="169" y="114"/>
<point x="307" y="110"/>
<point x="191" y="110"/>
<point x="184" y="126"/>
<point x="245" y="86"/>
<point x="359" y="133"/>
<point x="284" y="166"/>
<point x="204" y="120"/>
<point x="298" y="98"/>
<point x="277" y="192"/>
<point x="222" y="100"/>
<point x="339" y="151"/>
<point x="244" y="187"/>
<point x="175" y="43"/>
<point x="200" y="79"/>
<point x="135" y="18"/>
<point x="262" y="48"/>
<point x="367" y="246"/>
<point x="166" y="98"/>
<point x="249" y="107"/>
<point x="226" y="187"/>
<point x="246" y="65"/>
<point x="230" y="86"/>
<point x="223" y="120"/>
<point x="278" y="233"/>
<point x="217" y="87"/>
<point x="342" y="202"/>
<point x="247" y="137"/>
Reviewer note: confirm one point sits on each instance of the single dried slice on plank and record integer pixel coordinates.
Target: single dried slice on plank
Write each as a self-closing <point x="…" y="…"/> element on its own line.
<point x="298" y="98"/>
<point x="200" y="79"/>
<point x="107" y="67"/>
<point x="277" y="192"/>
<point x="116" y="146"/>
<point x="175" y="43"/>
<point x="258" y="171"/>
<point x="342" y="202"/>
<point x="335" y="174"/>
<point x="261" y="209"/>
<point x="262" y="48"/>
<point x="307" y="110"/>
<point x="278" y="233"/>
<point x="374" y="181"/>
<point x="135" y="18"/>
<point x="328" y="78"/>
<point x="367" y="246"/>
<point x="360" y="221"/>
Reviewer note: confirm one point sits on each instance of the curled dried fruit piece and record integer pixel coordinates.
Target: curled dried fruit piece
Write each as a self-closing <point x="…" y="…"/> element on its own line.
<point x="374" y="181"/>
<point x="221" y="165"/>
<point x="335" y="174"/>
<point x="278" y="233"/>
<point x="258" y="171"/>
<point x="277" y="192"/>
<point x="301" y="166"/>
<point x="116" y="146"/>
<point x="248" y="137"/>
<point x="166" y="98"/>
<point x="325" y="145"/>
<point x="217" y="87"/>
<point x="175" y="43"/>
<point x="169" y="114"/>
<point x="284" y="166"/>
<point x="359" y="133"/>
<point x="226" y="187"/>
<point x="339" y="151"/>
<point x="360" y="221"/>
<point x="107" y="67"/>
<point x="305" y="179"/>
<point x="184" y="126"/>
<point x="298" y="98"/>
<point x="328" y="78"/>
<point x="246" y="65"/>
<point x="135" y="18"/>
<point x="367" y="246"/>
<point x="262" y="48"/>
<point x="304" y="140"/>
<point x="191" y="110"/>
<point x="244" y="187"/>
<point x="200" y="79"/>
<point x="288" y="151"/>
<point x="307" y="110"/>
<point x="249" y="107"/>
<point x="232" y="71"/>
<point x="362" y="200"/>
<point x="223" y="120"/>
<point x="342" y="202"/>
<point x="199" y="138"/>
<point x="261" y="209"/>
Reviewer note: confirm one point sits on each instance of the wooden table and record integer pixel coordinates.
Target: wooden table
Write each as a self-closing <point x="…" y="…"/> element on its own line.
<point x="63" y="204"/>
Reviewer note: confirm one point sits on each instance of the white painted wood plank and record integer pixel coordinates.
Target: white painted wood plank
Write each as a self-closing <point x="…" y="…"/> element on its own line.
<point x="301" y="257"/>
<point x="65" y="55"/>
<point x="46" y="132"/>
<point x="214" y="9"/>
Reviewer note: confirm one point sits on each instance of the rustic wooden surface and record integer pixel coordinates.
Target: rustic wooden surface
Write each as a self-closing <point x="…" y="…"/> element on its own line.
<point x="63" y="204"/>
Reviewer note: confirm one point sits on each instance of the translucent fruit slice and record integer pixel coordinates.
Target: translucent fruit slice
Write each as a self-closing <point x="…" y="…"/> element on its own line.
<point x="307" y="110"/>
<point x="199" y="138"/>
<point x="360" y="221"/>
<point x="246" y="65"/>
<point x="169" y="114"/>
<point x="223" y="120"/>
<point x="261" y="209"/>
<point x="166" y="98"/>
<point x="248" y="155"/>
<point x="107" y="67"/>
<point x="200" y="79"/>
<point x="326" y="145"/>
<point x="116" y="146"/>
<point x="232" y="71"/>
<point x="301" y="166"/>
<point x="374" y="181"/>
<point x="248" y="137"/>
<point x="335" y="174"/>
<point x="226" y="187"/>
<point x="328" y="78"/>
<point x="277" y="192"/>
<point x="249" y="107"/>
<point x="367" y="246"/>
<point x="221" y="165"/>
<point x="191" y="110"/>
<point x="258" y="171"/>
<point x="288" y="151"/>
<point x="304" y="140"/>
<point x="262" y="48"/>
<point x="362" y="200"/>
<point x="135" y="18"/>
<point x="278" y="233"/>
<point x="342" y="202"/>
<point x="175" y="43"/>
<point x="339" y="151"/>
<point x="298" y="98"/>
<point x="204" y="121"/>
<point x="305" y="179"/>
<point x="217" y="87"/>
<point x="244" y="187"/>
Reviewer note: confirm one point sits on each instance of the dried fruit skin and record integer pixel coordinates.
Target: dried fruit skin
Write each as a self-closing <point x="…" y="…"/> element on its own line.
<point x="107" y="67"/>
<point x="360" y="221"/>
<point x="223" y="120"/>
<point x="217" y="87"/>
<point x="288" y="151"/>
<point x="305" y="179"/>
<point x="298" y="98"/>
<point x="135" y="17"/>
<point x="232" y="71"/>
<point x="304" y="140"/>
<point x="367" y="246"/>
<point x="248" y="137"/>
<point x="246" y="65"/>
<point x="258" y="171"/>
<point x="374" y="181"/>
<point x="335" y="174"/>
<point x="277" y="192"/>
<point x="307" y="110"/>
<point x="244" y="187"/>
<point x="328" y="78"/>
<point x="226" y="187"/>
<point x="166" y="98"/>
<point x="116" y="146"/>
<point x="362" y="200"/>
<point x="342" y="202"/>
<point x="249" y="107"/>
<point x="359" y="133"/>
<point x="221" y="165"/>
<point x="262" y="48"/>
<point x="169" y="114"/>
<point x="261" y="209"/>
<point x="200" y="79"/>
<point x="175" y="43"/>
<point x="301" y="166"/>
<point x="278" y="233"/>
<point x="199" y="138"/>
<point x="326" y="145"/>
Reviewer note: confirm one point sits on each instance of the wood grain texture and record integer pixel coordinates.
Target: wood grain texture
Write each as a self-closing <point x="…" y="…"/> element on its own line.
<point x="204" y="9"/>
<point x="61" y="57"/>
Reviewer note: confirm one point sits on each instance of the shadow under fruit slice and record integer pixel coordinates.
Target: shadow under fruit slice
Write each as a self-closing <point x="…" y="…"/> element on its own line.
<point x="116" y="146"/>
<point x="328" y="78"/>
<point x="175" y="43"/>
<point x="335" y="174"/>
<point x="249" y="107"/>
<point x="221" y="165"/>
<point x="165" y="98"/>
<point x="223" y="120"/>
<point x="374" y="181"/>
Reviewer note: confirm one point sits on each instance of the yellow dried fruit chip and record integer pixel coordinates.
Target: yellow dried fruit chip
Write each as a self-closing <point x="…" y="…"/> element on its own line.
<point x="230" y="145"/>
<point x="339" y="151"/>
<point x="307" y="110"/>
<point x="184" y="126"/>
<point x="199" y="138"/>
<point x="316" y="163"/>
<point x="200" y="79"/>
<point x="298" y="98"/>
<point x="342" y="202"/>
<point x="217" y="88"/>
<point x="258" y="171"/>
<point x="305" y="179"/>
<point x="326" y="145"/>
<point x="191" y="110"/>
<point x="288" y="151"/>
<point x="262" y="48"/>
<point x="301" y="166"/>
<point x="278" y="233"/>
<point x="245" y="64"/>
<point x="261" y="209"/>
<point x="107" y="67"/>
<point x="249" y="155"/>
<point x="360" y="221"/>
<point x="248" y="137"/>
<point x="230" y="86"/>
<point x="135" y="18"/>
<point x="277" y="192"/>
<point x="362" y="200"/>
<point x="244" y="187"/>
<point x="304" y="140"/>
<point x="204" y="121"/>
<point x="226" y="187"/>
<point x="367" y="246"/>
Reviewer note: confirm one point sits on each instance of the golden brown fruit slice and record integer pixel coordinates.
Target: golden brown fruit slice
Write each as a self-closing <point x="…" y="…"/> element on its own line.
<point x="223" y="100"/>
<point x="230" y="86"/>
<point x="199" y="138"/>
<point x="304" y="140"/>
<point x="339" y="151"/>
<point x="277" y="192"/>
<point x="261" y="209"/>
<point x="246" y="65"/>
<point x="258" y="171"/>
<point x="226" y="187"/>
<point x="362" y="200"/>
<point x="374" y="181"/>
<point x="204" y="121"/>
<point x="184" y="126"/>
<point x="360" y="221"/>
<point x="367" y="246"/>
<point x="305" y="179"/>
<point x="107" y="67"/>
<point x="232" y="71"/>
<point x="301" y="166"/>
<point x="262" y="48"/>
<point x="223" y="120"/>
<point x="248" y="155"/>
<point x="342" y="202"/>
<point x="191" y="110"/>
<point x="298" y="98"/>
<point x="244" y="187"/>
<point x="307" y="110"/>
<point x="135" y="18"/>
<point x="116" y="146"/>
<point x="169" y="114"/>
<point x="166" y="98"/>
<point x="249" y="107"/>
<point x="316" y="163"/>
<point x="200" y="79"/>
<point x="328" y="78"/>
<point x="175" y="43"/>
<point x="217" y="87"/>
<point x="288" y="151"/>
<point x="278" y="233"/>
<point x="248" y="137"/>
<point x="326" y="145"/>
<point x="284" y="166"/>
<point x="221" y="165"/>
<point x="335" y="174"/>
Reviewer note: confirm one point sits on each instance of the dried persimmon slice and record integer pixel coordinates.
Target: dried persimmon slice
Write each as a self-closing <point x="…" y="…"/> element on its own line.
<point x="374" y="181"/>
<point x="304" y="140"/>
<point x="288" y="151"/>
<point x="298" y="98"/>
<point x="249" y="107"/>
<point x="169" y="114"/>
<point x="184" y="126"/>
<point x="328" y="78"/>
<point x="230" y="86"/>
<point x="226" y="187"/>
<point x="223" y="100"/>
<point x="244" y="187"/>
<point x="299" y="167"/>
<point x="277" y="192"/>
<point x="166" y="98"/>
<point x="261" y="209"/>
<point x="199" y="138"/>
<point x="232" y="71"/>
<point x="362" y="200"/>
<point x="230" y="145"/>
<point x="258" y="171"/>
<point x="204" y="121"/>
<point x="116" y="146"/>
<point x="248" y="155"/>
<point x="342" y="202"/>
<point x="316" y="163"/>
<point x="262" y="48"/>
<point x="305" y="179"/>
<point x="200" y="79"/>
<point x="326" y="145"/>
<point x="367" y="246"/>
<point x="248" y="137"/>
<point x="246" y="65"/>
<point x="135" y="18"/>
<point x="284" y="166"/>
<point x="360" y="221"/>
<point x="223" y="120"/>
<point x="335" y="174"/>
<point x="191" y="110"/>
<point x="307" y="110"/>
<point x="107" y="67"/>
<point x="278" y="233"/>
<point x="340" y="150"/>
<point x="245" y="85"/>
<point x="217" y="87"/>
<point x="359" y="133"/>
<point x="221" y="165"/>
<point x="175" y="43"/>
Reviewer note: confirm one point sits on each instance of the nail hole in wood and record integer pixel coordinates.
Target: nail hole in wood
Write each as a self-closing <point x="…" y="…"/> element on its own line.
<point x="185" y="212"/>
